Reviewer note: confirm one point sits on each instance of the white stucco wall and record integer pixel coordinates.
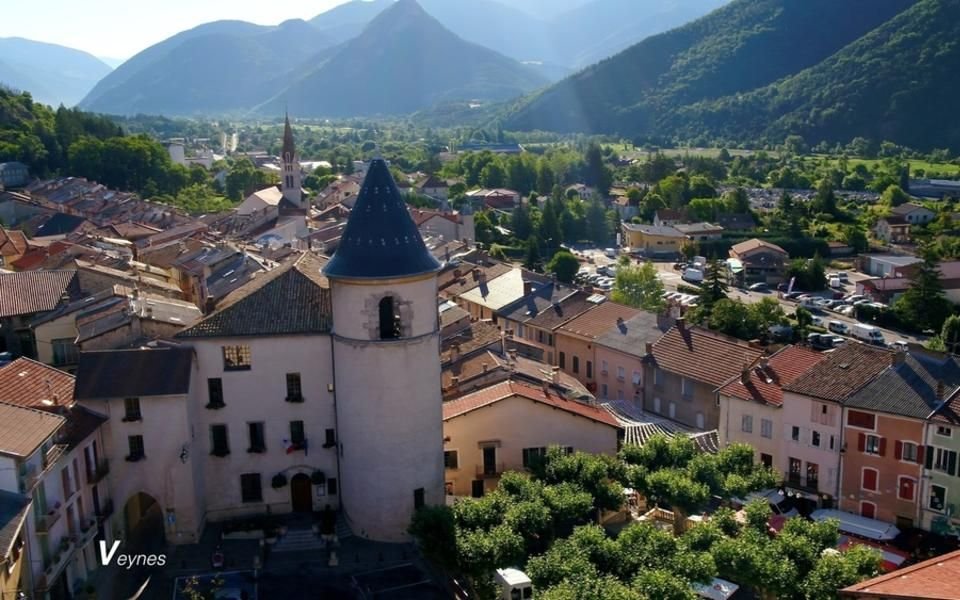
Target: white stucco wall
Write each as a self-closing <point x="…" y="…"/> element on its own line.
<point x="798" y="411"/>
<point x="732" y="411"/>
<point x="388" y="405"/>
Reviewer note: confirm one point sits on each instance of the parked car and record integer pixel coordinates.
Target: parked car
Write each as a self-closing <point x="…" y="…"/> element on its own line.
<point x="846" y="310"/>
<point x="868" y="333"/>
<point x="843" y="276"/>
<point x="693" y="276"/>
<point x="836" y="340"/>
<point x="899" y="345"/>
<point x="854" y="298"/>
<point x="794" y="295"/>
<point x="835" y="282"/>
<point x="759" y="287"/>
<point x="817" y="321"/>
<point x="838" y="327"/>
<point x="610" y="252"/>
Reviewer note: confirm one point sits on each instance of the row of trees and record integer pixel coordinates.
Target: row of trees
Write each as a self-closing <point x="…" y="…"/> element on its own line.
<point x="544" y="522"/>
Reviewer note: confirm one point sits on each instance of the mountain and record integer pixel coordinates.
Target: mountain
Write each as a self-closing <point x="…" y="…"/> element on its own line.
<point x="111" y="61"/>
<point x="52" y="74"/>
<point x="545" y="9"/>
<point x="347" y="20"/>
<point x="613" y="25"/>
<point x="743" y="46"/>
<point x="216" y="68"/>
<point x="403" y="61"/>
<point x="896" y="83"/>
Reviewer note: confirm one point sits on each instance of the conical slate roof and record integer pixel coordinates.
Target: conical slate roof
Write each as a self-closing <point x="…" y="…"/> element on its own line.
<point x="289" y="148"/>
<point x="381" y="240"/>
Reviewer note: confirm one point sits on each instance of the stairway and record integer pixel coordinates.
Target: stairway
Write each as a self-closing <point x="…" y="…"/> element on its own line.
<point x="343" y="528"/>
<point x="299" y="540"/>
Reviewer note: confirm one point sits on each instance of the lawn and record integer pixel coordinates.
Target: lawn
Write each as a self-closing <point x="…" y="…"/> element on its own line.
<point x="949" y="169"/>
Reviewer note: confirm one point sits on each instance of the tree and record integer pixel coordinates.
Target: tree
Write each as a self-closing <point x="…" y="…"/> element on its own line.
<point x="650" y="204"/>
<point x="894" y="196"/>
<point x="855" y="237"/>
<point x="520" y="222"/>
<point x="924" y="305"/>
<point x="533" y="260"/>
<point x="950" y="334"/>
<point x="737" y="201"/>
<point x="493" y="175"/>
<point x="564" y="265"/>
<point x="638" y="286"/>
<point x="825" y="201"/>
<point x="714" y="287"/>
<point x="597" y="175"/>
<point x="597" y="230"/>
<point x="549" y="229"/>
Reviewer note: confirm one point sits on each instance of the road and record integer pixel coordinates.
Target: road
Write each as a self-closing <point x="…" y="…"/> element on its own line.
<point x="671" y="279"/>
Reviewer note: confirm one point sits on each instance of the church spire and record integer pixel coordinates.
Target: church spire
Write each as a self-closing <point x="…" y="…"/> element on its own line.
<point x="289" y="149"/>
<point x="290" y="167"/>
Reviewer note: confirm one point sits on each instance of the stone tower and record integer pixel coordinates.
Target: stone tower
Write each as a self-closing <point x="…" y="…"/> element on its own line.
<point x="386" y="337"/>
<point x="290" y="168"/>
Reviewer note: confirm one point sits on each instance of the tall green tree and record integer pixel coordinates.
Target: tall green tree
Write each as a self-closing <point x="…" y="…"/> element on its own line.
<point x="533" y="260"/>
<point x="564" y="265"/>
<point x="638" y="286"/>
<point x="714" y="287"/>
<point x="950" y="334"/>
<point x="924" y="305"/>
<point x="521" y="222"/>
<point x="597" y="229"/>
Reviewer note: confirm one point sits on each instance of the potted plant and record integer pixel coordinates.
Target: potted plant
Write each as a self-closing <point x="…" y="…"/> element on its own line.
<point x="279" y="480"/>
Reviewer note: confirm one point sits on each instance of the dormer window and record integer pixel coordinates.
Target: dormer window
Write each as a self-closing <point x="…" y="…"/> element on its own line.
<point x="389" y="319"/>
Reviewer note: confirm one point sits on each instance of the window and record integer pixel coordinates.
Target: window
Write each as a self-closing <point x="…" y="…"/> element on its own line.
<point x="215" y="393"/>
<point x="329" y="438"/>
<point x="636" y="378"/>
<point x="863" y="420"/>
<point x="906" y="487"/>
<point x="813" y="475"/>
<point x="589" y="369"/>
<point x="944" y="461"/>
<point x="332" y="486"/>
<point x="873" y="444"/>
<point x="700" y="420"/>
<point x="795" y="433"/>
<point x="549" y="339"/>
<point x="672" y="411"/>
<point x="869" y="479"/>
<point x="938" y="497"/>
<point x="766" y="460"/>
<point x="250" y="489"/>
<point x="389" y="319"/>
<point x="906" y="451"/>
<point x="604" y="389"/>
<point x="620" y="374"/>
<point x="294" y="391"/>
<point x="656" y="405"/>
<point x="451" y="460"/>
<point x="657" y="377"/>
<point x="619" y="394"/>
<point x="135" y="448"/>
<point x="531" y="456"/>
<point x="766" y="428"/>
<point x="944" y="431"/>
<point x="833" y="442"/>
<point x="418" y="499"/>
<point x="131" y="409"/>
<point x="236" y="358"/>
<point x="218" y="440"/>
<point x="686" y="387"/>
<point x="297" y="435"/>
<point x="65" y="352"/>
<point x="540" y="336"/>
<point x="576" y="364"/>
<point x="746" y="424"/>
<point x="257" y="440"/>
<point x="563" y="360"/>
<point x="793" y="473"/>
<point x="603" y="367"/>
<point x="815" y="439"/>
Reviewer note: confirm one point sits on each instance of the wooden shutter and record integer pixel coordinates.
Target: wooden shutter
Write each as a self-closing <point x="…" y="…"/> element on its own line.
<point x="952" y="462"/>
<point x="861" y="442"/>
<point x="883" y="446"/>
<point x="928" y="456"/>
<point x="898" y="450"/>
<point x="921" y="455"/>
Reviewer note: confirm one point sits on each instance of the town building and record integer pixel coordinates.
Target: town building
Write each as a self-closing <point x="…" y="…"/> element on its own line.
<point x="620" y="354"/>
<point x="14" y="509"/>
<point x="25" y="296"/>
<point x="914" y="214"/>
<point x="13" y="245"/>
<point x="892" y="230"/>
<point x="536" y="318"/>
<point x="651" y="240"/>
<point x="576" y="339"/>
<point x="932" y="579"/>
<point x="508" y="426"/>
<point x="939" y="493"/>
<point x="762" y="261"/>
<point x="700" y="232"/>
<point x="451" y="226"/>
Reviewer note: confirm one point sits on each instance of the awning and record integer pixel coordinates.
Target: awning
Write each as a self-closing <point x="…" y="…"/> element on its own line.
<point x="891" y="558"/>
<point x="857" y="525"/>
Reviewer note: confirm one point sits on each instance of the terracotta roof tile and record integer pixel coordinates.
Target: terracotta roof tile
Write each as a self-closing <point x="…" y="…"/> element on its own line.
<point x="23" y="429"/>
<point x="35" y="291"/>
<point x="567" y="309"/>
<point x="291" y="299"/>
<point x="754" y="244"/>
<point x="702" y="355"/>
<point x="843" y="372"/>
<point x="12" y="242"/>
<point x="509" y="389"/>
<point x="482" y="334"/>
<point x="594" y="323"/>
<point x="931" y="579"/>
<point x="766" y="382"/>
<point x="26" y="382"/>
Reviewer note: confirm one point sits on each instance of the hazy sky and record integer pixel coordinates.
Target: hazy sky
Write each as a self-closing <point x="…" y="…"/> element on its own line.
<point x="121" y="28"/>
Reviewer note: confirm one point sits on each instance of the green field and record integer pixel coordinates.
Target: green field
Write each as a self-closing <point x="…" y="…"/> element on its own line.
<point x="641" y="152"/>
<point x="915" y="164"/>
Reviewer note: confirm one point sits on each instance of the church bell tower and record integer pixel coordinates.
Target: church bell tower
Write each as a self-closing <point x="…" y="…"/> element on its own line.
<point x="290" y="168"/>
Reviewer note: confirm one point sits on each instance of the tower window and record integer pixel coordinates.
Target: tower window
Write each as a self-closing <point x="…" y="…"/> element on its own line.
<point x="389" y="319"/>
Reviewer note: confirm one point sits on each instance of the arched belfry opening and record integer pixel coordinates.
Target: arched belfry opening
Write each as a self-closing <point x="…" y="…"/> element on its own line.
<point x="389" y="319"/>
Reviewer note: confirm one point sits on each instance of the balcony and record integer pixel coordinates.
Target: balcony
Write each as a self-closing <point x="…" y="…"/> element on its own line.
<point x="105" y="510"/>
<point x="59" y="559"/>
<point x="46" y="522"/>
<point x="490" y="471"/>
<point x="32" y="477"/>
<point x="88" y="532"/>
<point x="797" y="481"/>
<point x="101" y="470"/>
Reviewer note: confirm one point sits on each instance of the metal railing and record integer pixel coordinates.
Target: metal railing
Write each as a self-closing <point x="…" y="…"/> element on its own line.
<point x="494" y="470"/>
<point x="101" y="470"/>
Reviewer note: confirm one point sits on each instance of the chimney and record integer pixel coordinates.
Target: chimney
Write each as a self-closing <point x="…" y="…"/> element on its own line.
<point x="897" y="358"/>
<point x="485" y="367"/>
<point x="745" y="375"/>
<point x="555" y="375"/>
<point x="503" y="343"/>
<point x="481" y="276"/>
<point x="648" y="349"/>
<point x="455" y="353"/>
<point x="527" y="287"/>
<point x="512" y="354"/>
<point x="941" y="391"/>
<point x="454" y="383"/>
<point x="764" y="361"/>
<point x="681" y="324"/>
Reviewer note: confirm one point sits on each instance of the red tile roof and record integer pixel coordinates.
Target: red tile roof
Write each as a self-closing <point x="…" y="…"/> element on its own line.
<point x="33" y="291"/>
<point x="702" y="355"/>
<point x="421" y="216"/>
<point x="754" y="244"/>
<point x="843" y="372"/>
<point x="594" y="323"/>
<point x="766" y="382"/>
<point x="509" y="389"/>
<point x="931" y="579"/>
<point x="12" y="242"/>
<point x="26" y="382"/>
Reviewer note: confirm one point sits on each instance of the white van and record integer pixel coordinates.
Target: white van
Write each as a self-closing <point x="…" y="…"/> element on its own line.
<point x="693" y="276"/>
<point x="868" y="333"/>
<point x="838" y="327"/>
<point x="514" y="584"/>
<point x="836" y="283"/>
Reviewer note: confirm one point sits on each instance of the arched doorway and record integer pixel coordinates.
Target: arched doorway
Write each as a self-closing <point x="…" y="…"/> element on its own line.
<point x="143" y="521"/>
<point x="301" y="493"/>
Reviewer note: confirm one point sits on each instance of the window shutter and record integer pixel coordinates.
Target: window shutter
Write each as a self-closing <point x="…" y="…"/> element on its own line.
<point x="883" y="446"/>
<point x="898" y="450"/>
<point x="952" y="463"/>
<point x="861" y="442"/>
<point x="928" y="455"/>
<point x="921" y="455"/>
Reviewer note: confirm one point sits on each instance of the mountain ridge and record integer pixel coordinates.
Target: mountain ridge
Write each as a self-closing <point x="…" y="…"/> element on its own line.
<point x="52" y="73"/>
